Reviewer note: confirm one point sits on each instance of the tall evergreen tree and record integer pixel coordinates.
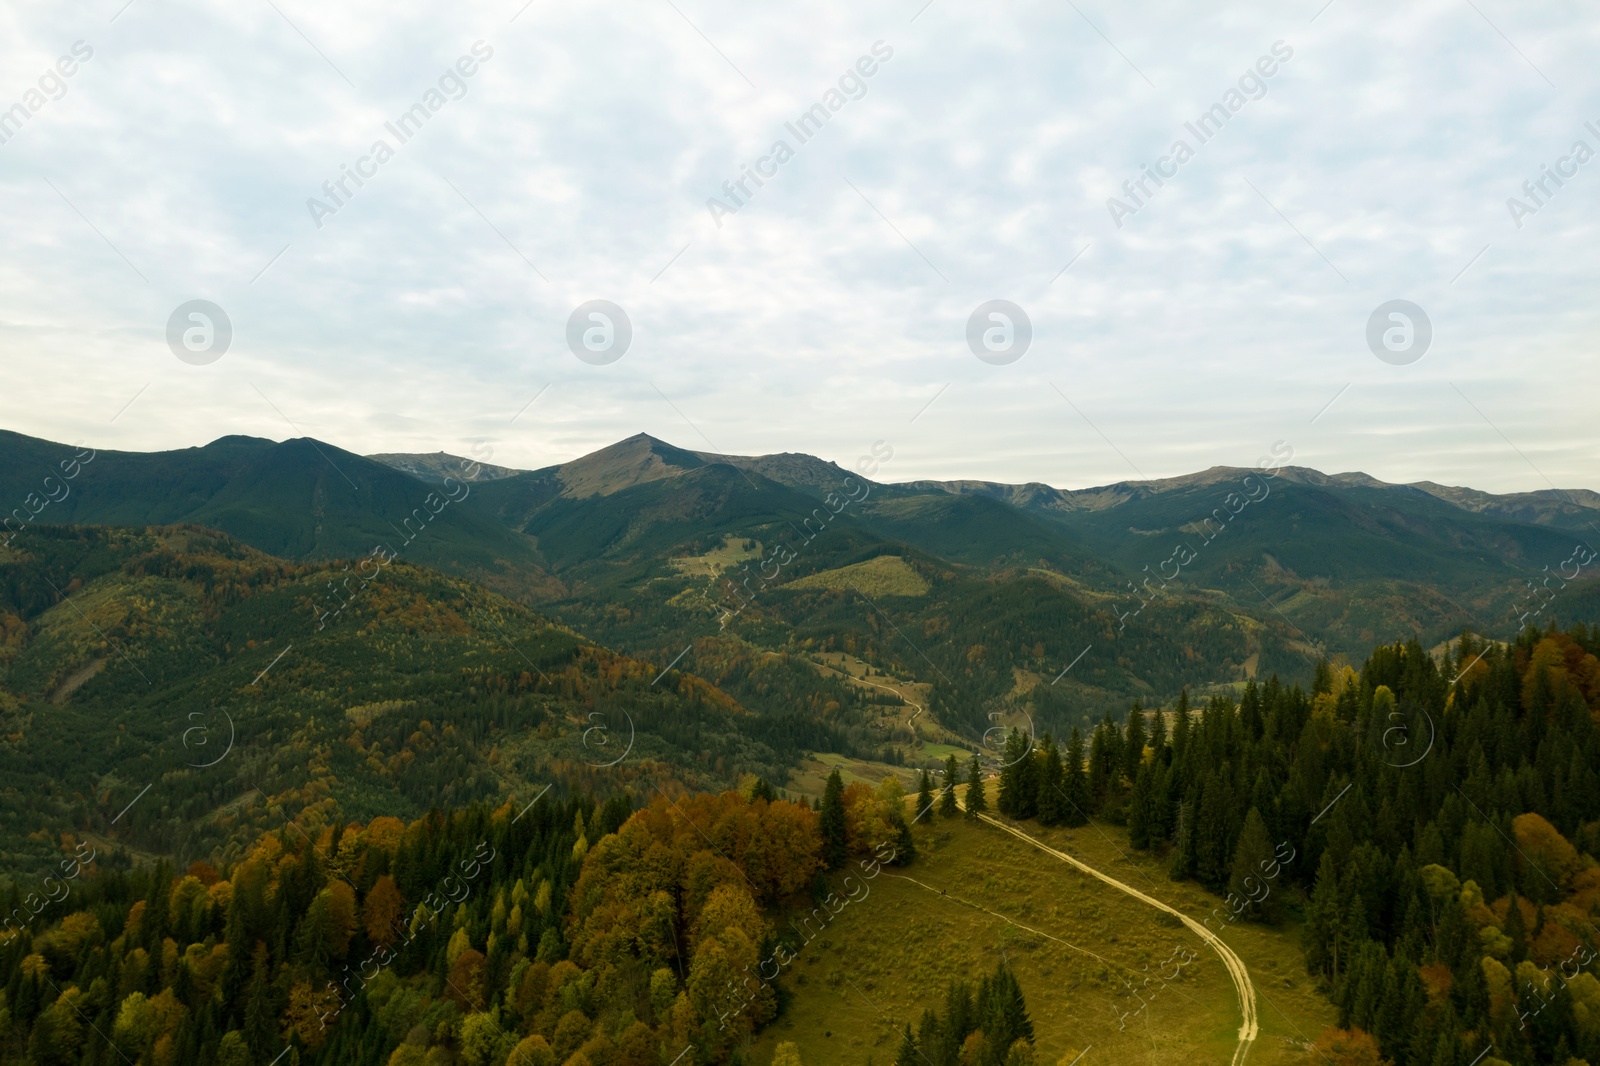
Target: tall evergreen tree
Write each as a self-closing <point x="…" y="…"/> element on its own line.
<point x="924" y="796"/>
<point x="1158" y="736"/>
<point x="909" y="1055"/>
<point x="1252" y="862"/>
<point x="976" y="803"/>
<point x="1212" y="838"/>
<point x="1104" y="766"/>
<point x="1052" y="802"/>
<point x="1020" y="755"/>
<point x="1516" y="930"/>
<point x="1183" y="855"/>
<point x="1140" y="809"/>
<point x="947" y="796"/>
<point x="1133" y="743"/>
<point x="1074" y="785"/>
<point x="831" y="823"/>
<point x="1182" y="726"/>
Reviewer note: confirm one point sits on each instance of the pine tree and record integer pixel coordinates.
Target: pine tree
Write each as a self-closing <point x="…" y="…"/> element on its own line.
<point x="976" y="803"/>
<point x="947" y="797"/>
<point x="1252" y="860"/>
<point x="1158" y="736"/>
<point x="1211" y="833"/>
<point x="909" y="1055"/>
<point x="1052" y="803"/>
<point x="1516" y="930"/>
<point x="924" y="795"/>
<point x="831" y="823"/>
<point x="1181" y="727"/>
<point x="1073" y="784"/>
<point x="1025" y="767"/>
<point x="260" y="1013"/>
<point x="1133" y="743"/>
<point x="1139" y="810"/>
<point x="1028" y="780"/>
<point x="1183" y="856"/>
<point x="1319" y="936"/>
<point x="1012" y="773"/>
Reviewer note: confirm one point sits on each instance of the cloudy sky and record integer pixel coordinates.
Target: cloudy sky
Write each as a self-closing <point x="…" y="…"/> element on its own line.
<point x="425" y="308"/>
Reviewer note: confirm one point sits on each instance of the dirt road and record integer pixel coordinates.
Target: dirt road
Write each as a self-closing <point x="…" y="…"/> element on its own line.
<point x="1235" y="966"/>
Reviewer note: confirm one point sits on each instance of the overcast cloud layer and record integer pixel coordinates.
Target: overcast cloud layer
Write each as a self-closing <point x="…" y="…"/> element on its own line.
<point x="1227" y="312"/>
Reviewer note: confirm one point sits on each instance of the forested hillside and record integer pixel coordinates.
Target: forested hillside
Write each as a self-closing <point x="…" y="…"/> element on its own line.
<point x="567" y="932"/>
<point x="172" y="692"/>
<point x="1434" y="823"/>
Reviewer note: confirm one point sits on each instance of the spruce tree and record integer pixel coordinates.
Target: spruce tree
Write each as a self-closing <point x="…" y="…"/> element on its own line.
<point x="1183" y="856"/>
<point x="1103" y="764"/>
<point x="1212" y="839"/>
<point x="1051" y="805"/>
<point x="1074" y="784"/>
<point x="1252" y="861"/>
<point x="947" y="797"/>
<point x="1012" y="774"/>
<point x="831" y="823"/>
<point x="976" y="803"/>
<point x="1021" y="756"/>
<point x="909" y="1055"/>
<point x="1133" y="743"/>
<point x="1319" y="936"/>
<point x="1140" y="809"/>
<point x="1181" y="727"/>
<point x="924" y="795"/>
<point x="1516" y="930"/>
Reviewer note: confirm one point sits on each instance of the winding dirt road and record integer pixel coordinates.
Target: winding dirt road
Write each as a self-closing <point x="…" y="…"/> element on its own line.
<point x="1235" y="965"/>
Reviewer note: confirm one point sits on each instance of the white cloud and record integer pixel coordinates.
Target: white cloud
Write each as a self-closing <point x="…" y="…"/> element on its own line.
<point x="1205" y="328"/>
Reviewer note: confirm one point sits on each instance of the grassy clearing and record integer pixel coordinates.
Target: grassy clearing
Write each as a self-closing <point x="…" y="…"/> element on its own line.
<point x="883" y="575"/>
<point x="884" y="959"/>
<point x="731" y="554"/>
<point x="811" y="776"/>
<point x="1291" y="1012"/>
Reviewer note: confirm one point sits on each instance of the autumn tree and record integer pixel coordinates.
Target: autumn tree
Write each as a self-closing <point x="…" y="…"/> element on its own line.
<point x="381" y="911"/>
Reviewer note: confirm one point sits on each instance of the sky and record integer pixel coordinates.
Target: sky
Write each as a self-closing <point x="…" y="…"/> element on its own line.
<point x="844" y="302"/>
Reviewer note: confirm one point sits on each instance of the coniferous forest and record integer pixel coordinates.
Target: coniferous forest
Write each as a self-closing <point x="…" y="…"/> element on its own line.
<point x="1432" y="823"/>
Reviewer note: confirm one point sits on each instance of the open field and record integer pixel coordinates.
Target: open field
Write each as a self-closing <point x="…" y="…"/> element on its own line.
<point x="882" y="575"/>
<point x="974" y="895"/>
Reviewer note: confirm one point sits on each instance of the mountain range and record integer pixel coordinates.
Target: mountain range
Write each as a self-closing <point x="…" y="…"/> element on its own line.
<point x="1243" y="570"/>
<point x="794" y="605"/>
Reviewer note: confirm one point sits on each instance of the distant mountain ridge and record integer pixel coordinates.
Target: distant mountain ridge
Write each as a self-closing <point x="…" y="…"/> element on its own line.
<point x="642" y="458"/>
<point x="1326" y="563"/>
